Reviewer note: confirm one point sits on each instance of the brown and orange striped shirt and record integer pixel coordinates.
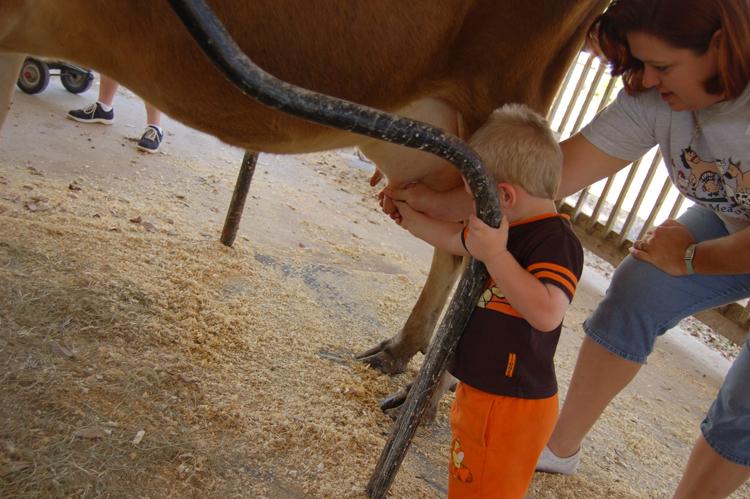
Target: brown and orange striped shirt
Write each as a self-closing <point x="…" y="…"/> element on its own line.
<point x="500" y="352"/>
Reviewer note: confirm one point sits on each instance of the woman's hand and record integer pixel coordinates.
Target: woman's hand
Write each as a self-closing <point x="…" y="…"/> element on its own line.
<point x="663" y="246"/>
<point x="454" y="205"/>
<point x="417" y="195"/>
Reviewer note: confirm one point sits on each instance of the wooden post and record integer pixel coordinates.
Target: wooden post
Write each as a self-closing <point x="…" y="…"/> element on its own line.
<point x="443" y="345"/>
<point x="237" y="204"/>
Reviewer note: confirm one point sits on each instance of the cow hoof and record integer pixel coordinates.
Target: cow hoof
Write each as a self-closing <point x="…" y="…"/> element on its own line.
<point x="393" y="405"/>
<point x="380" y="357"/>
<point x="394" y="401"/>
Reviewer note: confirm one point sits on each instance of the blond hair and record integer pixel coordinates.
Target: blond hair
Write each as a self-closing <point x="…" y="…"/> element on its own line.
<point x="518" y="147"/>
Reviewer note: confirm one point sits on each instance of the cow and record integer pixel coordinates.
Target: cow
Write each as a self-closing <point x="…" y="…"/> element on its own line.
<point x="449" y="63"/>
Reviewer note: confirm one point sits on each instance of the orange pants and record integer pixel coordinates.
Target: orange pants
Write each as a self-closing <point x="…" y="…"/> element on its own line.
<point x="496" y="443"/>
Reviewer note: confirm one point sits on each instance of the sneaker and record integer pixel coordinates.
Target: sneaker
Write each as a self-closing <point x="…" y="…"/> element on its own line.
<point x="550" y="463"/>
<point x="151" y="140"/>
<point x="93" y="113"/>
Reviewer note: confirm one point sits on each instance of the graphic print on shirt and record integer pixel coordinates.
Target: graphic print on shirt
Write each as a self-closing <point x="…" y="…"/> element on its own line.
<point x="713" y="183"/>
<point x="704" y="177"/>
<point x="456" y="467"/>
<point x="737" y="183"/>
<point x="494" y="299"/>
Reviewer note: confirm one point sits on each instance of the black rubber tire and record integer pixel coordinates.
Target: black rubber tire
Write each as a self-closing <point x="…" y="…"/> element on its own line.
<point x="34" y="76"/>
<point x="76" y="83"/>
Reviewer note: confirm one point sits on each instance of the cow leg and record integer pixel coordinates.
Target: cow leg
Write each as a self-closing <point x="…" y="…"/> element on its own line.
<point x="392" y="355"/>
<point x="402" y="166"/>
<point x="237" y="204"/>
<point x="10" y="65"/>
<point x="392" y="405"/>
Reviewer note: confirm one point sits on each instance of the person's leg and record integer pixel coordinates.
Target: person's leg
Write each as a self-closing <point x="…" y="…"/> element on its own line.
<point x="516" y="432"/>
<point x="100" y="111"/>
<point x="151" y="139"/>
<point x="107" y="90"/>
<point x="589" y="393"/>
<point x="468" y="417"/>
<point x="708" y="475"/>
<point x="495" y="443"/>
<point x="720" y="461"/>
<point x="153" y="116"/>
<point x="641" y="304"/>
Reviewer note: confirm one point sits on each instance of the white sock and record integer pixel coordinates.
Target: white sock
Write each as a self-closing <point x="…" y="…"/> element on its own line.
<point x="155" y="126"/>
<point x="104" y="107"/>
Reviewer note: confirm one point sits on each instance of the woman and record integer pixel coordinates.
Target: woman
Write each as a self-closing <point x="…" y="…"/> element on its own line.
<point x="686" y="67"/>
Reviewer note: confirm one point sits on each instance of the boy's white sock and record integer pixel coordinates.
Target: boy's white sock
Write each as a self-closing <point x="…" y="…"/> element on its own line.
<point x="550" y="463"/>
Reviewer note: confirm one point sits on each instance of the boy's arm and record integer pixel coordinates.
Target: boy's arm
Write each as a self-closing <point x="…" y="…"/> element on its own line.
<point x="440" y="234"/>
<point x="543" y="305"/>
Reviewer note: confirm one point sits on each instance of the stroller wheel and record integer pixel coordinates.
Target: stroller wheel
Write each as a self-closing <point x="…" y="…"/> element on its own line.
<point x="77" y="83"/>
<point x="34" y="76"/>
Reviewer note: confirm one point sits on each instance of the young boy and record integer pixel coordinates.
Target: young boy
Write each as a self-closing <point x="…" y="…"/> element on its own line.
<point x="506" y="402"/>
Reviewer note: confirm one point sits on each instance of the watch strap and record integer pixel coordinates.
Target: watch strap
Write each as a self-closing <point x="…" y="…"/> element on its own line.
<point x="688" y="256"/>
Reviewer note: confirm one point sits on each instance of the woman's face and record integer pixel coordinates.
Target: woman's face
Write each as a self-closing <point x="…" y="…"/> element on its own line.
<point x="678" y="74"/>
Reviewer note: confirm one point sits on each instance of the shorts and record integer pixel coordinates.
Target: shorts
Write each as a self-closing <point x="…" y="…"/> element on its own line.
<point x="727" y="424"/>
<point x="642" y="303"/>
<point x="496" y="442"/>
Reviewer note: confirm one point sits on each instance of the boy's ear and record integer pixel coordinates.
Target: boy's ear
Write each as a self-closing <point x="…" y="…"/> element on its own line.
<point x="463" y="128"/>
<point x="507" y="193"/>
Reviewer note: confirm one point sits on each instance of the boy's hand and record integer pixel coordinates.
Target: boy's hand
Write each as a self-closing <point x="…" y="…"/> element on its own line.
<point x="388" y="207"/>
<point x="404" y="214"/>
<point x="484" y="242"/>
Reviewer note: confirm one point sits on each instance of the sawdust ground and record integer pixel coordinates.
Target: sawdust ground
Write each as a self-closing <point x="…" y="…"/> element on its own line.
<point x="121" y="311"/>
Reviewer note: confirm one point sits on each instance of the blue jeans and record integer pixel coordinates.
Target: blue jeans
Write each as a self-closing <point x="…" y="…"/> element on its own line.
<point x="727" y="424"/>
<point x="643" y="302"/>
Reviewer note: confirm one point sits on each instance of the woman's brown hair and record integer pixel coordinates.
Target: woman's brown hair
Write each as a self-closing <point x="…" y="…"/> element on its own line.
<point x="686" y="24"/>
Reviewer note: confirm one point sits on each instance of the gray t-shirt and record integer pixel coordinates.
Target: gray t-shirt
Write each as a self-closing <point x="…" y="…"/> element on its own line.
<point x="714" y="171"/>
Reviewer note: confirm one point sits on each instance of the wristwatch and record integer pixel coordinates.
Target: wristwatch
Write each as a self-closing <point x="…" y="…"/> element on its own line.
<point x="688" y="257"/>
